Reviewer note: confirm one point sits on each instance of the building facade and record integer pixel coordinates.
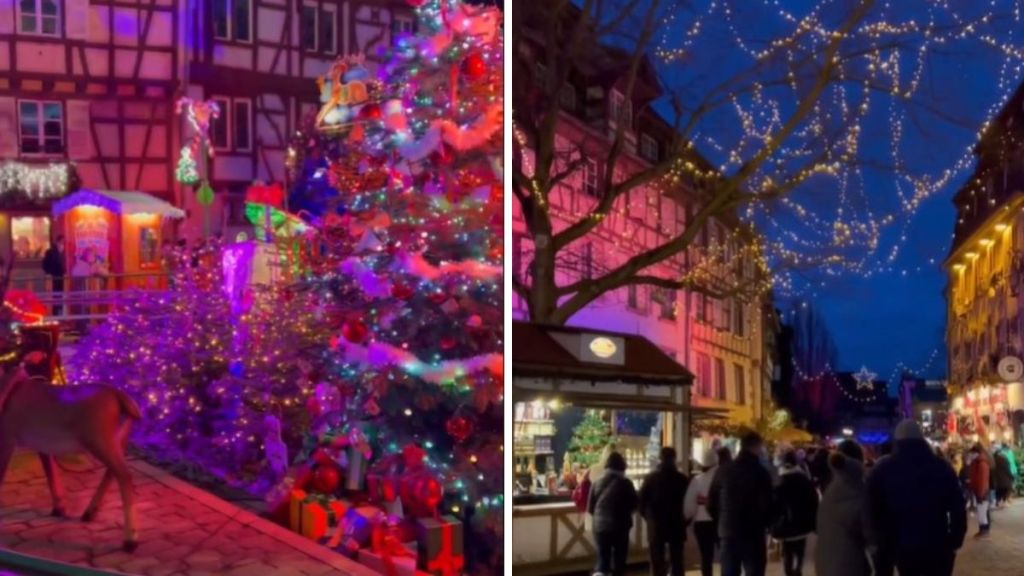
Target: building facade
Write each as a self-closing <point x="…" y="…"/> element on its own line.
<point x="985" y="270"/>
<point x="722" y="341"/>
<point x="94" y="83"/>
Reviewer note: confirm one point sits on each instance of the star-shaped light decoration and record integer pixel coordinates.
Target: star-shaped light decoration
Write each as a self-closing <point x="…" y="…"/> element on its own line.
<point x="865" y="379"/>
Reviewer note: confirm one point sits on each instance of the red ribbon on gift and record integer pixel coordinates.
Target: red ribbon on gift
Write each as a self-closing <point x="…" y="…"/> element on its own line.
<point x="270" y="195"/>
<point x="446" y="560"/>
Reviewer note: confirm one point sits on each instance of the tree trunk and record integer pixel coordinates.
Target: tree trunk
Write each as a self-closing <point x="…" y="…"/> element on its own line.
<point x="543" y="301"/>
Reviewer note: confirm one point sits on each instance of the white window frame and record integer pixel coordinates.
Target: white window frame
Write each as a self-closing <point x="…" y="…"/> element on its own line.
<point x="591" y="178"/>
<point x="231" y="22"/>
<point x="648" y="148"/>
<point x="403" y="25"/>
<point x="316" y="27"/>
<point x="38" y="14"/>
<point x="332" y="11"/>
<point x="248" y="105"/>
<point x="40" y="105"/>
<point x="621" y="110"/>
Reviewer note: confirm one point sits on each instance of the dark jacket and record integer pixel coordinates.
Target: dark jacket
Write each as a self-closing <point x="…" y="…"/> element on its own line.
<point x="915" y="506"/>
<point x="612" y="503"/>
<point x="53" y="262"/>
<point x="1002" y="478"/>
<point x="796" y="506"/>
<point x="661" y="503"/>
<point x="842" y="536"/>
<point x="740" y="500"/>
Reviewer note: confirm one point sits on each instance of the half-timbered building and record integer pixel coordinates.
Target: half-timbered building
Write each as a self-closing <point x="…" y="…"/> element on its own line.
<point x="93" y="83"/>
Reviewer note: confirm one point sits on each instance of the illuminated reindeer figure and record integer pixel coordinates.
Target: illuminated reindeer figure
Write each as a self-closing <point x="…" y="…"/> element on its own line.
<point x="57" y="420"/>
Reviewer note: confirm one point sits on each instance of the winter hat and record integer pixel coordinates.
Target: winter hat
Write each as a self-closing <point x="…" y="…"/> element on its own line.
<point x="908" y="430"/>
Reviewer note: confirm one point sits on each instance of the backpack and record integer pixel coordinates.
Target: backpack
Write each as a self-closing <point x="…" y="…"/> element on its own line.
<point x="581" y="495"/>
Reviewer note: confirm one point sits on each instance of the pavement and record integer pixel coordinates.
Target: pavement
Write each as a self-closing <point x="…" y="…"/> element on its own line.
<point x="183" y="531"/>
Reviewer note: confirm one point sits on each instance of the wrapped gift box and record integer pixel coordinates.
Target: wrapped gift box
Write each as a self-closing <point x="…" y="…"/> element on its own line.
<point x="439" y="546"/>
<point x="311" y="516"/>
<point x="393" y="565"/>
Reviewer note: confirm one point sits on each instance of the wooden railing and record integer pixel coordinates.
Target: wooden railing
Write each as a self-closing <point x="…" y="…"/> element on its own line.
<point x="88" y="299"/>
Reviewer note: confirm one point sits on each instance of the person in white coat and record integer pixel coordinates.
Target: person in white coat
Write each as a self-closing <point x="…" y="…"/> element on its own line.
<point x="695" y="507"/>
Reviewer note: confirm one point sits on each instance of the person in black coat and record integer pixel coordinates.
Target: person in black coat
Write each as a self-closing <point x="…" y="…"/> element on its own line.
<point x="796" y="510"/>
<point x="740" y="502"/>
<point x="916" y="512"/>
<point x="55" y="267"/>
<point x="612" y="503"/>
<point x="661" y="505"/>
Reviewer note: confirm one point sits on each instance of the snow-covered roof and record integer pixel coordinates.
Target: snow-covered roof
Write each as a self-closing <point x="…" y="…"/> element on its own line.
<point x="118" y="202"/>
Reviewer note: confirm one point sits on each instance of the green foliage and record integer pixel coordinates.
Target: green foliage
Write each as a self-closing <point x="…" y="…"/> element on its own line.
<point x="589" y="438"/>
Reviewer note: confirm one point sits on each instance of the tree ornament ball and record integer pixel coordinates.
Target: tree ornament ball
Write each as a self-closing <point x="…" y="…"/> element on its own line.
<point x="459" y="428"/>
<point x="326" y="479"/>
<point x="401" y="291"/>
<point x="415" y="3"/>
<point x="355" y="331"/>
<point x="474" y="66"/>
<point x="370" y="112"/>
<point x="448" y="342"/>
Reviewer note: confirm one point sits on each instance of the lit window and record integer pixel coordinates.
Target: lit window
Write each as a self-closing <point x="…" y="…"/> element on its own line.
<point x="30" y="236"/>
<point x="149" y="247"/>
<point x="41" y="127"/>
<point x="39" y="17"/>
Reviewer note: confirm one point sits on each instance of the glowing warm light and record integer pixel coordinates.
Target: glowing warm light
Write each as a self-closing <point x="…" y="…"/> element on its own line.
<point x="1001" y="226"/>
<point x="603" y="347"/>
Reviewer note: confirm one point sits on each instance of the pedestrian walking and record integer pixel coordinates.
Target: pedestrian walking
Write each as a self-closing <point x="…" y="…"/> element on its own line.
<point x="841" y="549"/>
<point x="612" y="503"/>
<point x="661" y="504"/>
<point x="916" y="513"/>
<point x="55" y="267"/>
<point x="740" y="501"/>
<point x="796" y="511"/>
<point x="695" y="507"/>
<point x="978" y="482"/>
<point x="1002" y="478"/>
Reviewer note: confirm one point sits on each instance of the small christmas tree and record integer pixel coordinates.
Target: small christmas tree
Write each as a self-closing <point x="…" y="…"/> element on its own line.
<point x="589" y="438"/>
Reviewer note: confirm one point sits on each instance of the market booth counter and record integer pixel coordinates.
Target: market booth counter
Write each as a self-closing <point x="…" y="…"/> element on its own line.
<point x="114" y="239"/>
<point x="594" y="370"/>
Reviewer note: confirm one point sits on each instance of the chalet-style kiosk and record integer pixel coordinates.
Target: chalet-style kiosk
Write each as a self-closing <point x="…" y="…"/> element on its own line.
<point x="587" y="369"/>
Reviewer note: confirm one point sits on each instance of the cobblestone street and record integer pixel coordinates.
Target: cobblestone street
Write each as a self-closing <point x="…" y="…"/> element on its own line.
<point x="183" y="530"/>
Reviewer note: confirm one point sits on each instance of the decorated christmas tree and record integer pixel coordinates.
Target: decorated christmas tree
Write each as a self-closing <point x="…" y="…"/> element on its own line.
<point x="589" y="438"/>
<point x="401" y="174"/>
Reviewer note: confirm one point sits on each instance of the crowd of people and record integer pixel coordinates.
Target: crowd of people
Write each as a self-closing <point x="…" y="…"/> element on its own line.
<point x="900" y="509"/>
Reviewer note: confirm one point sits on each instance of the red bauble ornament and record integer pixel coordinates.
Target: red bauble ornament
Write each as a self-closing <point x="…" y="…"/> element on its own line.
<point x="415" y="3"/>
<point x="355" y="331"/>
<point x="322" y="458"/>
<point x="326" y="479"/>
<point x="459" y="428"/>
<point x="313" y="406"/>
<point x="438" y="297"/>
<point x="370" y="112"/>
<point x="401" y="291"/>
<point x="447" y="342"/>
<point x="474" y="66"/>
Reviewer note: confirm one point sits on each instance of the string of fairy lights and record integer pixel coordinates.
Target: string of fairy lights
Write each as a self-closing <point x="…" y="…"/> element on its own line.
<point x="827" y="372"/>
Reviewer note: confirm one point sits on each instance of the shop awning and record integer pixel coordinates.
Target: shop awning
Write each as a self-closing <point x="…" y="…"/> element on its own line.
<point x="545" y="351"/>
<point x="119" y="203"/>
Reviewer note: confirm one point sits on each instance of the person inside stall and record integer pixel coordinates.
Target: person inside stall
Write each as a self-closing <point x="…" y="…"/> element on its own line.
<point x="55" y="267"/>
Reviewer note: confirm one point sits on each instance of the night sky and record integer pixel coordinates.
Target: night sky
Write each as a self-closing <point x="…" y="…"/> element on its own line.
<point x="894" y="316"/>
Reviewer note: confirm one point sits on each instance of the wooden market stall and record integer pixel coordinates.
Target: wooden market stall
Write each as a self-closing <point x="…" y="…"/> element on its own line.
<point x="114" y="239"/>
<point x="590" y="369"/>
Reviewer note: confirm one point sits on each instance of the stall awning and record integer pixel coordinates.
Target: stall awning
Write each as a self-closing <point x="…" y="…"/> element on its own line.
<point x="545" y="351"/>
<point x="118" y="203"/>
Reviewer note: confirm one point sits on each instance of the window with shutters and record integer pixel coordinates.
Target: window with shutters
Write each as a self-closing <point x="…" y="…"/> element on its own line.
<point x="719" y="379"/>
<point x="232" y="20"/>
<point x="41" y="127"/>
<point x="740" y="376"/>
<point x="39" y="17"/>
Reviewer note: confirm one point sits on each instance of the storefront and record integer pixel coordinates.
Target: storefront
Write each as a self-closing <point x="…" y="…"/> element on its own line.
<point x="986" y="413"/>
<point x="609" y="388"/>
